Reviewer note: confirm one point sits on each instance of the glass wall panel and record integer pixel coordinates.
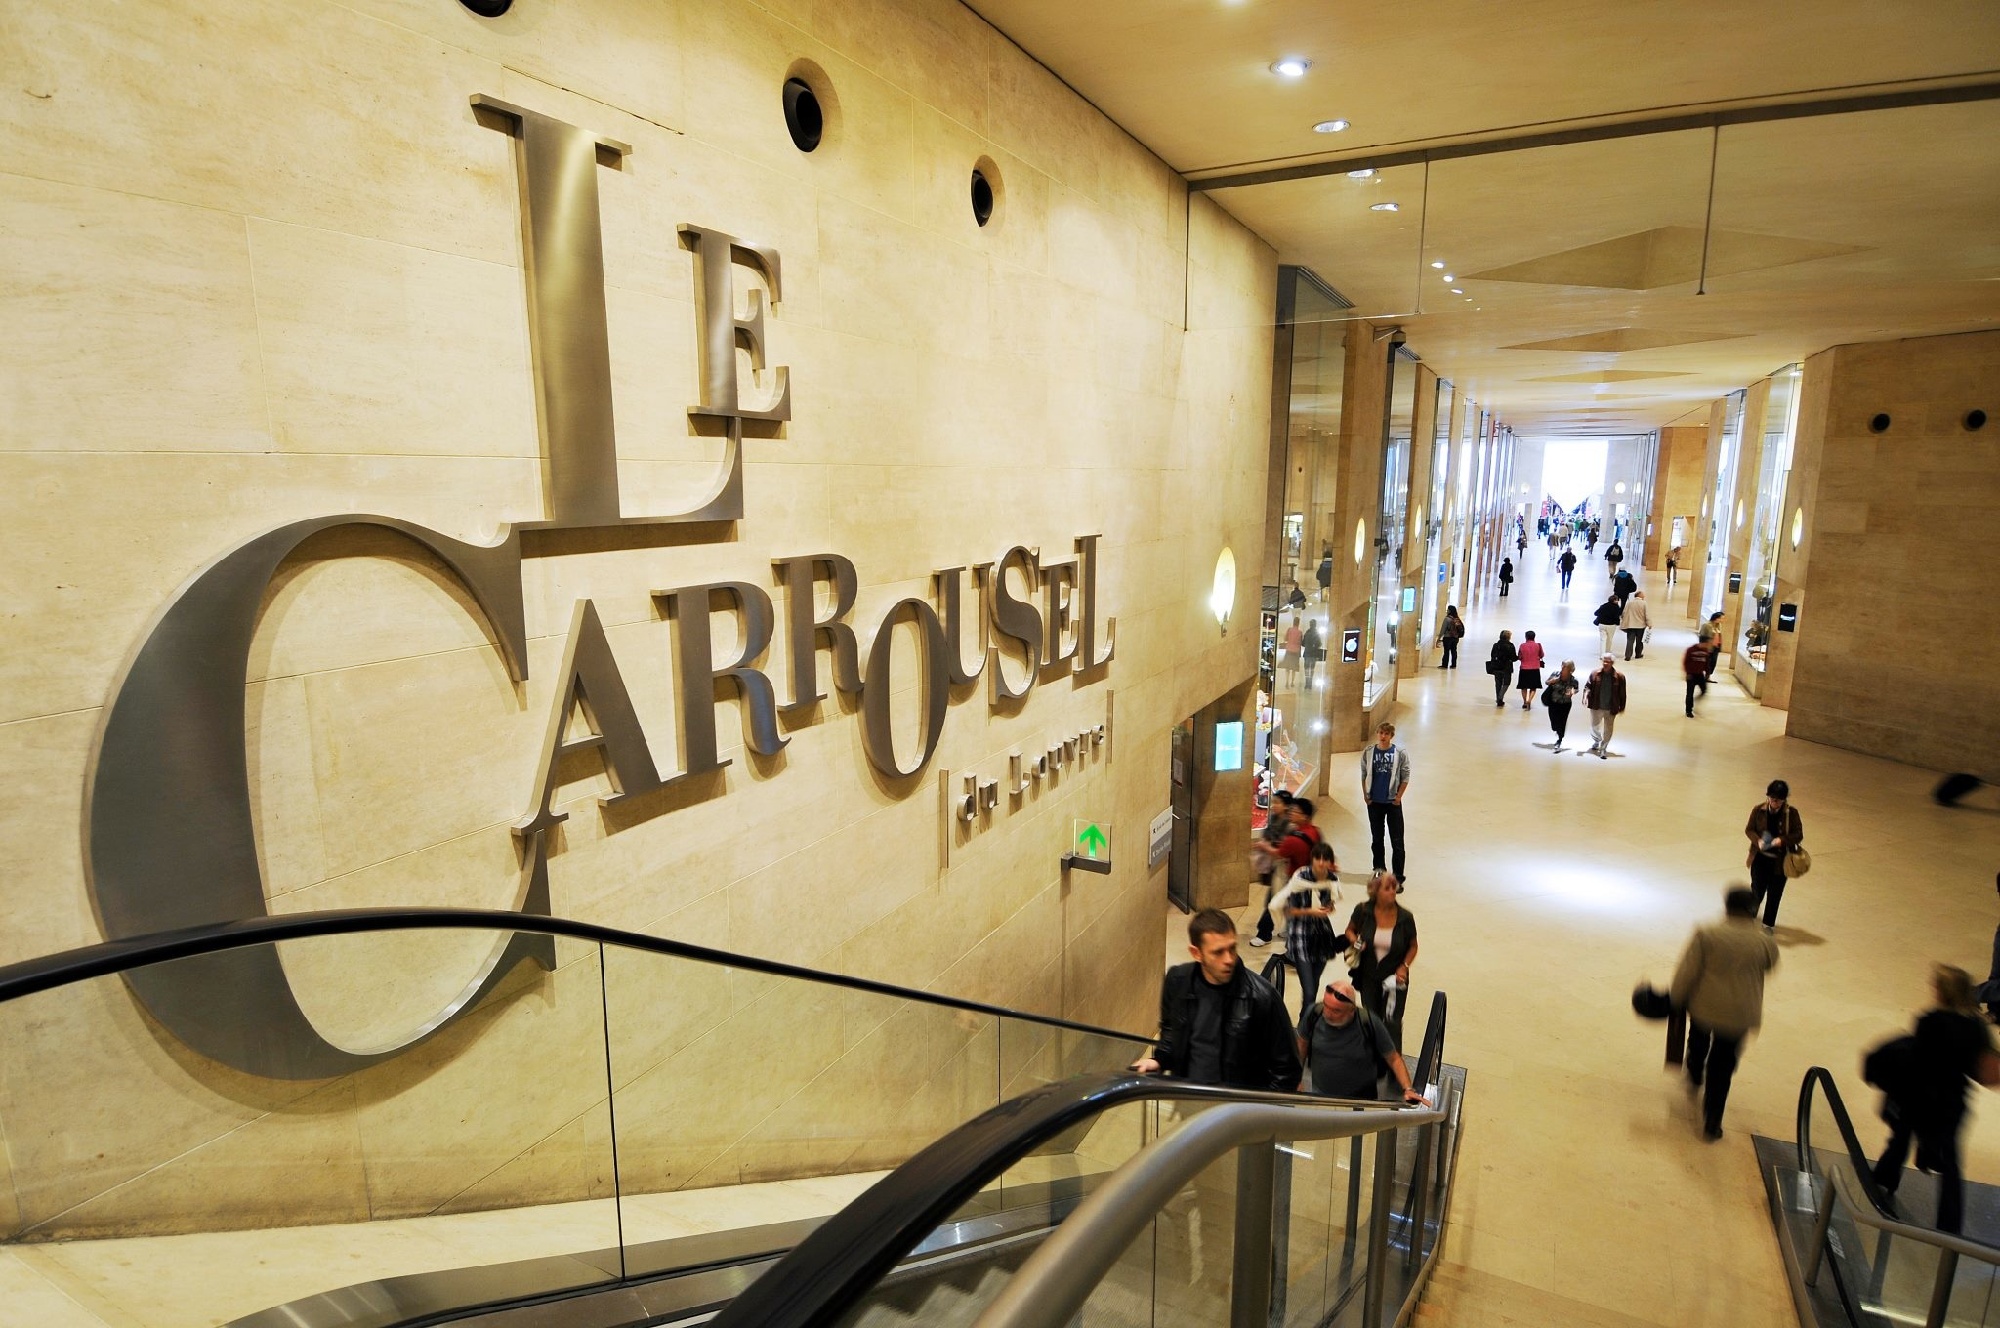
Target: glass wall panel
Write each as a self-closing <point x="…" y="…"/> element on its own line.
<point x="1760" y="569"/>
<point x="1715" y="580"/>
<point x="1432" y="518"/>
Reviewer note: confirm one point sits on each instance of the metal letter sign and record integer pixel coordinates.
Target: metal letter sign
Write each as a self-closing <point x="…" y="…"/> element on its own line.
<point x="170" y="839"/>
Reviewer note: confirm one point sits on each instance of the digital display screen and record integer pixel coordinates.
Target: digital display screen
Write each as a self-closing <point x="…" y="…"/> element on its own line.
<point x="1229" y="745"/>
<point x="1350" y="646"/>
<point x="1409" y="599"/>
<point x="1788" y="617"/>
<point x="1735" y="582"/>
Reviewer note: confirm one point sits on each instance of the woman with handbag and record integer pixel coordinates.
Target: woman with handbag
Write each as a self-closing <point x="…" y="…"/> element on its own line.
<point x="1530" y="680"/>
<point x="1776" y="834"/>
<point x="1500" y="663"/>
<point x="1454" y="628"/>
<point x="1382" y="941"/>
<point x="1306" y="904"/>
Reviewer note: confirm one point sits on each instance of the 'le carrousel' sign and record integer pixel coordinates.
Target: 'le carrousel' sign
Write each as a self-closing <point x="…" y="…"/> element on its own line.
<point x="168" y="822"/>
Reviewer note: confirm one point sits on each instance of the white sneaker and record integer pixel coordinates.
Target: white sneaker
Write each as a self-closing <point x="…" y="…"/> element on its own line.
<point x="1259" y="943"/>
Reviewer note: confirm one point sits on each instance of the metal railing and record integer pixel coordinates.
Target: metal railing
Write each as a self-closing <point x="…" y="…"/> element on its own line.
<point x="1862" y="1201"/>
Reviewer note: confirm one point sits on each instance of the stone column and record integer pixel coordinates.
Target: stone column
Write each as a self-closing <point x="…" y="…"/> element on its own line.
<point x="1416" y="539"/>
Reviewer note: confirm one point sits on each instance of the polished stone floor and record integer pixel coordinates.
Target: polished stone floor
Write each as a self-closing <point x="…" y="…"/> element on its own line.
<point x="1546" y="885"/>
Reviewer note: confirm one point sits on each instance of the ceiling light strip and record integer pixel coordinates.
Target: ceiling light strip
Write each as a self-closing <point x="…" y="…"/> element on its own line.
<point x="1988" y="89"/>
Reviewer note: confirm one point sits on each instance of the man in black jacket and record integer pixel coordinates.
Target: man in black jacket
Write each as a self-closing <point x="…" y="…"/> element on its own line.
<point x="1219" y="1022"/>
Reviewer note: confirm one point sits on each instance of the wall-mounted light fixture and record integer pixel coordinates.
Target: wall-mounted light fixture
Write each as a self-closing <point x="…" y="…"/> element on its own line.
<point x="1798" y="526"/>
<point x="1222" y="593"/>
<point x="1360" y="540"/>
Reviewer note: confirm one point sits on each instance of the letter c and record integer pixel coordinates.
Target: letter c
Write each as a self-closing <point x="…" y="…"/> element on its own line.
<point x="169" y="838"/>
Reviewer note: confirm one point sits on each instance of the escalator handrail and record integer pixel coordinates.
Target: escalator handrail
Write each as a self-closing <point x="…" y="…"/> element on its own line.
<point x="107" y="958"/>
<point x="1432" y="1054"/>
<point x="1896" y="1226"/>
<point x="1818" y="1078"/>
<point x="830" y="1271"/>
<point x="1052" y="1286"/>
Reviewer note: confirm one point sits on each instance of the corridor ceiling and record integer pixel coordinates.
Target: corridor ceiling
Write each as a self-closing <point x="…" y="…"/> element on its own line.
<point x="1578" y="266"/>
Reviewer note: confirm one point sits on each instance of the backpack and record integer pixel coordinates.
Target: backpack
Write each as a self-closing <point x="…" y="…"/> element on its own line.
<point x="1895" y="1067"/>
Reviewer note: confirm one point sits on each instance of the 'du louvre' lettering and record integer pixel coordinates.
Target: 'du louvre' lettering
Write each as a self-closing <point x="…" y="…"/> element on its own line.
<point x="169" y="829"/>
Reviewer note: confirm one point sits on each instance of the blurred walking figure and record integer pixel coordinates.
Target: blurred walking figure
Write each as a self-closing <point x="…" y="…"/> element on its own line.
<point x="1774" y="830"/>
<point x="1500" y="663"/>
<point x="1695" y="667"/>
<point x="1720" y="984"/>
<point x="1451" y="634"/>
<point x="1635" y="620"/>
<point x="1288" y="650"/>
<point x="1311" y="649"/>
<point x="1530" y="680"/>
<point x="1604" y="695"/>
<point x="1568" y="565"/>
<point x="1607" y="617"/>
<point x="1559" y="696"/>
<point x="1673" y="564"/>
<point x="1506" y="575"/>
<point x="1925" y="1078"/>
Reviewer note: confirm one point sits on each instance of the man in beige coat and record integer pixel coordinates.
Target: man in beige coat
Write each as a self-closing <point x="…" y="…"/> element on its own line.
<point x="1720" y="984"/>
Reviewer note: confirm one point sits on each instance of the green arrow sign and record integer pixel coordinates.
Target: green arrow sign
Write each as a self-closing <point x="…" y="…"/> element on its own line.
<point x="1090" y="840"/>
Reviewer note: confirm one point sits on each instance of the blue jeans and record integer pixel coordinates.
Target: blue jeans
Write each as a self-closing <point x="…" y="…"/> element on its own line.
<point x="1309" y="971"/>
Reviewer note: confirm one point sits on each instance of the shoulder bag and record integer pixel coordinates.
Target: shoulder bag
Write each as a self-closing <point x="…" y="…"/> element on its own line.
<point x="1797" y="861"/>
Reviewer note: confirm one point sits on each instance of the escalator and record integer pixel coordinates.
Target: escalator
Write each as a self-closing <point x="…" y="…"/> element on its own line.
<point x="1859" y="1258"/>
<point x="636" y="1131"/>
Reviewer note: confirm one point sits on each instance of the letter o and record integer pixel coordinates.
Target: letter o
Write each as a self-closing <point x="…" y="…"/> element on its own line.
<point x="877" y="737"/>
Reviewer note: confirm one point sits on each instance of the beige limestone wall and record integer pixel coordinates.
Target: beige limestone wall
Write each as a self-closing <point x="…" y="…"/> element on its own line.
<point x="262" y="264"/>
<point x="1898" y="650"/>
<point x="1676" y="489"/>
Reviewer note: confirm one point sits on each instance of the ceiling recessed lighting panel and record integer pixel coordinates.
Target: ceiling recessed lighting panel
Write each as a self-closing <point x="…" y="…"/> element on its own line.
<point x="1440" y="267"/>
<point x="1329" y="126"/>
<point x="1449" y="277"/>
<point x="1456" y="291"/>
<point x="1383" y="207"/>
<point x="1291" y="66"/>
<point x="1361" y="174"/>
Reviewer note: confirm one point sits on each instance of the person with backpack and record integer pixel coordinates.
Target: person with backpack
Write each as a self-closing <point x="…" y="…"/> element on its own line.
<point x="1450" y="635"/>
<point x="1775" y="833"/>
<point x="1923" y="1077"/>
<point x="1719" y="982"/>
<point x="1559" y="696"/>
<point x="1307" y="905"/>
<point x="1347" y="1051"/>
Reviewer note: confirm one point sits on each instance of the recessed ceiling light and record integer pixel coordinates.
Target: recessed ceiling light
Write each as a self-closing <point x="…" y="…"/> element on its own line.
<point x="1292" y="66"/>
<point x="1449" y="277"/>
<point x="1329" y="126"/>
<point x="1438" y="265"/>
<point x="1383" y="207"/>
<point x="1456" y="291"/>
<point x="1361" y="174"/>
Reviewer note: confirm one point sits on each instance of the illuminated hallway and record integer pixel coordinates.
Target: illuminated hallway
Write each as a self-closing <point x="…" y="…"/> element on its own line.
<point x="1545" y="886"/>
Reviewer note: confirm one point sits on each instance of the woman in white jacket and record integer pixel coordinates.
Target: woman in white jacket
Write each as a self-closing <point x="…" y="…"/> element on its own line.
<point x="1306" y="907"/>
